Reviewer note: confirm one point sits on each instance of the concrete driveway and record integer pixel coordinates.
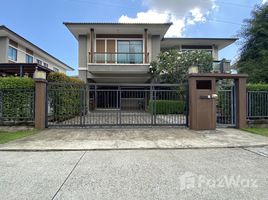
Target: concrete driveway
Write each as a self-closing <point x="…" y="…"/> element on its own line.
<point x="135" y="138"/>
<point x="234" y="173"/>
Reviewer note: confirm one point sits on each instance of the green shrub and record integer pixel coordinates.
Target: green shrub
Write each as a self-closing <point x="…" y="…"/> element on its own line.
<point x="16" y="82"/>
<point x="166" y="107"/>
<point x="64" y="96"/>
<point x="257" y="87"/>
<point x="16" y="98"/>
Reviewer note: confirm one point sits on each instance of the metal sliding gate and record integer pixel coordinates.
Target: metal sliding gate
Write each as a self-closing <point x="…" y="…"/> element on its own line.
<point x="70" y="105"/>
<point x="226" y="107"/>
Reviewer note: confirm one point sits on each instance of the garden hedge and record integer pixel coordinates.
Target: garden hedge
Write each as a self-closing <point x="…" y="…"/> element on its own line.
<point x="16" y="99"/>
<point x="64" y="95"/>
<point x="166" y="107"/>
<point x="257" y="87"/>
<point x="16" y="82"/>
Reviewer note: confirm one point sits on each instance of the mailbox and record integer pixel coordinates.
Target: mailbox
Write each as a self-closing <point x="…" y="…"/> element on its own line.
<point x="202" y="107"/>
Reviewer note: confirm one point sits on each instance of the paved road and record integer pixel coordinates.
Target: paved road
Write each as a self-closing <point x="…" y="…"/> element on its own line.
<point x="135" y="174"/>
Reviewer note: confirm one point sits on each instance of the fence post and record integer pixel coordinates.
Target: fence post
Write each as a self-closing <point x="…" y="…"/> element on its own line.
<point x="40" y="103"/>
<point x="241" y="105"/>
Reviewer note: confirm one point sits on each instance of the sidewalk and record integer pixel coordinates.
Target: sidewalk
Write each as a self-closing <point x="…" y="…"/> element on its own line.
<point x="134" y="138"/>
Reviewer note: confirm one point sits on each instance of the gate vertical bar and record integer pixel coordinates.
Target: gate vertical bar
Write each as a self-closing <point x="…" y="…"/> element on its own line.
<point x="235" y="97"/>
<point x="154" y="99"/>
<point x="120" y="103"/>
<point x="152" y="106"/>
<point x="232" y="105"/>
<point x="81" y="107"/>
<point x="96" y="97"/>
<point x="117" y="113"/>
<point x="187" y="105"/>
<point x="46" y="114"/>
<point x="85" y="103"/>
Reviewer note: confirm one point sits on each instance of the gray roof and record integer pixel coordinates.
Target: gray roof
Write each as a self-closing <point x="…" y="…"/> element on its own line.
<point x="83" y="28"/>
<point x="114" y="23"/>
<point x="188" y="38"/>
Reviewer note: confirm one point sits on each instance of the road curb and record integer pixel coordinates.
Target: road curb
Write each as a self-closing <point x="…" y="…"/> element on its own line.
<point x="129" y="149"/>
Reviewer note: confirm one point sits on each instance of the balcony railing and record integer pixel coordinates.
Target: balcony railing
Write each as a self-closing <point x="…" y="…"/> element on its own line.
<point x="119" y="58"/>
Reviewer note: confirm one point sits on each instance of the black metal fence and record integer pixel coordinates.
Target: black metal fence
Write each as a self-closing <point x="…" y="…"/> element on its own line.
<point x="226" y="108"/>
<point x="121" y="105"/>
<point x="257" y="105"/>
<point x="16" y="106"/>
<point x="118" y="105"/>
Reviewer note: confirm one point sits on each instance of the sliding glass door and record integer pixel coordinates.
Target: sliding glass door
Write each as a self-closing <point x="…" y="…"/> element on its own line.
<point x="130" y="51"/>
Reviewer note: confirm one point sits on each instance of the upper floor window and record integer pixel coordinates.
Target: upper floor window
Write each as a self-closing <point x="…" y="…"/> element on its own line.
<point x="39" y="61"/>
<point x="129" y="51"/>
<point x="28" y="58"/>
<point x="45" y="64"/>
<point x="206" y="48"/>
<point x="55" y="69"/>
<point x="12" y="53"/>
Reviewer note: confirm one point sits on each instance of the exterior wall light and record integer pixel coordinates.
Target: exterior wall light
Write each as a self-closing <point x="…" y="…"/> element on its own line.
<point x="39" y="75"/>
<point x="193" y="70"/>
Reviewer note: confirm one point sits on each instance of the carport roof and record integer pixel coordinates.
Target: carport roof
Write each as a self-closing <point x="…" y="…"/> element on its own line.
<point x="17" y="68"/>
<point x="175" y="42"/>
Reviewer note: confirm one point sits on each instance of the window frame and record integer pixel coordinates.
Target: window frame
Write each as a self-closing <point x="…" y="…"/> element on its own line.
<point x="15" y="50"/>
<point x="55" y="69"/>
<point x="131" y="56"/>
<point x="40" y="62"/>
<point x="45" y="64"/>
<point x="28" y="56"/>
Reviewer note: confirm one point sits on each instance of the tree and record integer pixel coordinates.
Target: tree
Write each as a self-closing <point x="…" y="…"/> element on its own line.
<point x="172" y="65"/>
<point x="254" y="52"/>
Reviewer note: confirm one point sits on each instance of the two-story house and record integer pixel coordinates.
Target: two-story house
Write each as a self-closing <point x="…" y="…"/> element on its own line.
<point x="16" y="52"/>
<point x="122" y="52"/>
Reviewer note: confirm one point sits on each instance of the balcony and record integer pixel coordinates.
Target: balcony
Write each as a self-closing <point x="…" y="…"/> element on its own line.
<point x="120" y="58"/>
<point x="119" y="63"/>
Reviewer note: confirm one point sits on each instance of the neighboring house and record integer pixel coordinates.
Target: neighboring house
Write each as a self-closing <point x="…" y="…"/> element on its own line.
<point x="122" y="52"/>
<point x="16" y="49"/>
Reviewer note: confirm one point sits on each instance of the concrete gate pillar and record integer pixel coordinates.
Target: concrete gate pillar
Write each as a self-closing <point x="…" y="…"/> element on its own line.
<point x="241" y="102"/>
<point x="40" y="103"/>
<point x="202" y="100"/>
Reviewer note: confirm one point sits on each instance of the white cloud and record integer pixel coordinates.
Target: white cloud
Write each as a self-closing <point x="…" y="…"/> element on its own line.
<point x="196" y="16"/>
<point x="152" y="16"/>
<point x="182" y="13"/>
<point x="264" y="1"/>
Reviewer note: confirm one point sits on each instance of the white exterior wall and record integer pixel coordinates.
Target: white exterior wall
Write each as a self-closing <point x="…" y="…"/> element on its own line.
<point x="50" y="64"/>
<point x="215" y="52"/>
<point x="3" y="49"/>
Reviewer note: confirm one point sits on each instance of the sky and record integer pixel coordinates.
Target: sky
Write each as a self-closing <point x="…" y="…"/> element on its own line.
<point x="40" y="21"/>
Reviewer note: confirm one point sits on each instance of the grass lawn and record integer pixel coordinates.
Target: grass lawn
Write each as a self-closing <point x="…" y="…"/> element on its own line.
<point x="9" y="136"/>
<point x="259" y="131"/>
